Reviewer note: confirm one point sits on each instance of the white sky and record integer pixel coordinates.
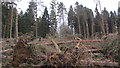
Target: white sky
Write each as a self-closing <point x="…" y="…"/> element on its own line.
<point x="111" y="5"/>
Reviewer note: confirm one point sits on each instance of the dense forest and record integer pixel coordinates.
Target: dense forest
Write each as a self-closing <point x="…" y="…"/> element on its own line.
<point x="81" y="20"/>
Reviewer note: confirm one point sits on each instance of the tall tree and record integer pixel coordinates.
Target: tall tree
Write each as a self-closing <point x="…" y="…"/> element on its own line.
<point x="92" y="24"/>
<point x="16" y="27"/>
<point x="118" y="21"/>
<point x="61" y="12"/>
<point x="11" y="20"/>
<point x="43" y="28"/>
<point x="78" y="16"/>
<point x="111" y="22"/>
<point x="7" y="18"/>
<point x="53" y="17"/>
<point x="98" y="4"/>
<point x="20" y="24"/>
<point x="98" y="24"/>
<point x="106" y="17"/>
<point x="118" y="25"/>
<point x="27" y="22"/>
<point x="71" y="18"/>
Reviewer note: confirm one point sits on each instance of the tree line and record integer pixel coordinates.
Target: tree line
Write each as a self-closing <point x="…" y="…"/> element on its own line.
<point x="81" y="20"/>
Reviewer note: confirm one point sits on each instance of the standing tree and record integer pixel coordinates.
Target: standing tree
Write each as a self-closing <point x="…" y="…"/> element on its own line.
<point x="98" y="4"/>
<point x="78" y="16"/>
<point x="43" y="28"/>
<point x="20" y="24"/>
<point x="16" y="27"/>
<point x="35" y="5"/>
<point x="71" y="18"/>
<point x="53" y="19"/>
<point x="118" y="21"/>
<point x="118" y="25"/>
<point x="27" y="21"/>
<point x="98" y="28"/>
<point x="106" y="17"/>
<point x="11" y="22"/>
<point x="92" y="24"/>
<point x="8" y="19"/>
<point x="86" y="29"/>
<point x="61" y="12"/>
<point x="111" y="22"/>
<point x="5" y="19"/>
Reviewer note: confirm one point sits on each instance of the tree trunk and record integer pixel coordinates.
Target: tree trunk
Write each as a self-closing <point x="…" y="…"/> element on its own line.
<point x="4" y="33"/>
<point x="107" y="30"/>
<point x="118" y="25"/>
<point x="102" y="25"/>
<point x="92" y="26"/>
<point x="84" y="29"/>
<point x="36" y="28"/>
<point x="1" y="22"/>
<point x="87" y="29"/>
<point x="11" y="18"/>
<point x="7" y="27"/>
<point x="86" y="26"/>
<point x="36" y="25"/>
<point x="79" y="26"/>
<point x="16" y="26"/>
<point x="118" y="21"/>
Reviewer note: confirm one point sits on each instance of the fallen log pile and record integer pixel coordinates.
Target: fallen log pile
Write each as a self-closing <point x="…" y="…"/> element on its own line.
<point x="23" y="56"/>
<point x="70" y="41"/>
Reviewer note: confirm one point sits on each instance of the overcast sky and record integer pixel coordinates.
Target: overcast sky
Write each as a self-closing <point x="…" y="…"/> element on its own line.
<point x="111" y="5"/>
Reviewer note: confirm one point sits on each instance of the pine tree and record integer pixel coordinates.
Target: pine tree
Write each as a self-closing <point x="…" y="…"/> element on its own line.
<point x="53" y="17"/>
<point x="98" y="24"/>
<point x="7" y="19"/>
<point x="27" y="20"/>
<point x="61" y="12"/>
<point x="111" y="22"/>
<point x="106" y="17"/>
<point x="43" y="26"/>
<point x="71" y="18"/>
<point x="78" y="16"/>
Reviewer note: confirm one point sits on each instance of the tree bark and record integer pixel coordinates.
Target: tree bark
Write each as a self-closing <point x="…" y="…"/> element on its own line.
<point x="86" y="26"/>
<point x="107" y="28"/>
<point x="36" y="28"/>
<point x="102" y="25"/>
<point x="118" y="25"/>
<point x="36" y="25"/>
<point x="11" y="18"/>
<point x="16" y="26"/>
<point x="92" y="26"/>
<point x="78" y="19"/>
<point x="79" y="26"/>
<point x="118" y="21"/>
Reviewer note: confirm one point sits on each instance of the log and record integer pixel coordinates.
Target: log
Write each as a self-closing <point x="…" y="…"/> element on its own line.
<point x="56" y="46"/>
<point x="101" y="63"/>
<point x="71" y="41"/>
<point x="91" y="50"/>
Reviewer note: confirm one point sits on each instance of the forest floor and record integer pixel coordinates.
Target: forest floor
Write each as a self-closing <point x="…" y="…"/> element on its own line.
<point x="55" y="52"/>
